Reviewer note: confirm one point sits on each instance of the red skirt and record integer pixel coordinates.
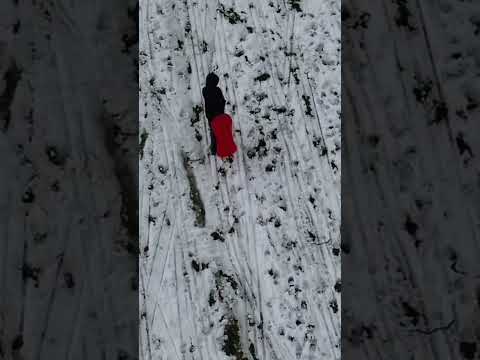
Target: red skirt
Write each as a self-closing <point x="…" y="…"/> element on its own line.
<point x="222" y="126"/>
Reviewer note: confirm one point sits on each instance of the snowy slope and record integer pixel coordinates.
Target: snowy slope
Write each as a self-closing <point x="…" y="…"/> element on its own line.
<point x="240" y="260"/>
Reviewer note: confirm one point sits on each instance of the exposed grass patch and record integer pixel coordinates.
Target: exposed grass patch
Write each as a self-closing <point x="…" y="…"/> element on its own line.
<point x="143" y="140"/>
<point x="295" y="5"/>
<point x="231" y="345"/>
<point x="231" y="15"/>
<point x="197" y="110"/>
<point x="308" y="105"/>
<point x="197" y="203"/>
<point x="262" y="77"/>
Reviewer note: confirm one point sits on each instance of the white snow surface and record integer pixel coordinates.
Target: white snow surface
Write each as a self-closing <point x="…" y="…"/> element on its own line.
<point x="259" y="278"/>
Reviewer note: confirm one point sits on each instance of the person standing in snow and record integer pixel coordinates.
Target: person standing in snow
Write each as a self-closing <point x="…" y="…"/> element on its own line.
<point x="214" y="104"/>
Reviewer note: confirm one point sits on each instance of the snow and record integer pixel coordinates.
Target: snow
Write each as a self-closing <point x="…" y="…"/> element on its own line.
<point x="240" y="260"/>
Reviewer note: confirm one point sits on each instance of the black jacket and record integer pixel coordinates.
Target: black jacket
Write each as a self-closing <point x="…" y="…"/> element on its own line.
<point x="214" y="100"/>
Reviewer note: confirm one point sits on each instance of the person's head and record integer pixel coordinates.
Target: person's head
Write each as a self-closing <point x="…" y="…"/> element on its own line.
<point x="212" y="80"/>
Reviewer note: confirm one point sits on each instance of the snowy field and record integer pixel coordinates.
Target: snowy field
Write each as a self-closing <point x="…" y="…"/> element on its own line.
<point x="240" y="260"/>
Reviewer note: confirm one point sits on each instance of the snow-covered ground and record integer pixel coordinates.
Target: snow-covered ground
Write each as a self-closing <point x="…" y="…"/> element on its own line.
<point x="240" y="260"/>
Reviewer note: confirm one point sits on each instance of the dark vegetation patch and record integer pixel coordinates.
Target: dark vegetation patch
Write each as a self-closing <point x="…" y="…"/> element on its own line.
<point x="422" y="90"/>
<point x="280" y="110"/>
<point x="312" y="236"/>
<point x="211" y="298"/>
<point x="39" y="238"/>
<point x="345" y="13"/>
<point x="132" y="248"/>
<point x="334" y="306"/>
<point x="54" y="156"/>
<point x="162" y="169"/>
<point x="476" y="25"/>
<point x="274" y="274"/>
<point x="295" y="5"/>
<point x="293" y="70"/>
<point x="263" y="77"/>
<point x="260" y="150"/>
<point x="355" y="22"/>
<point x="345" y="247"/>
<point x="472" y="104"/>
<point x="197" y="110"/>
<point x="362" y="21"/>
<point x="199" y="266"/>
<point x="197" y="203"/>
<point x="11" y="77"/>
<point x="255" y="111"/>
<point x="251" y="349"/>
<point x="31" y="272"/>
<point x="289" y="244"/>
<point x="410" y="312"/>
<point x="221" y="276"/>
<point x="273" y="134"/>
<point x="440" y="112"/>
<point x="128" y="42"/>
<point x="403" y="16"/>
<point x="143" y="140"/>
<point x="261" y="96"/>
<point x="316" y="140"/>
<point x="373" y="140"/>
<point x="468" y="349"/>
<point x="231" y="345"/>
<point x="308" y="105"/>
<point x="16" y="27"/>
<point x="152" y="220"/>
<point x="17" y="343"/>
<point x="231" y="15"/>
<point x="461" y="114"/>
<point x="333" y="165"/>
<point x="217" y="236"/>
<point x="463" y="145"/>
<point x="28" y="196"/>
<point x="69" y="280"/>
<point x="411" y="227"/>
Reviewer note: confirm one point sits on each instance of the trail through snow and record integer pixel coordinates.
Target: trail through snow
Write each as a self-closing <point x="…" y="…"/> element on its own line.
<point x="240" y="260"/>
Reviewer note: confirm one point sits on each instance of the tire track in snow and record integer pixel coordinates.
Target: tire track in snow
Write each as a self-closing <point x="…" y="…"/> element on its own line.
<point x="250" y="225"/>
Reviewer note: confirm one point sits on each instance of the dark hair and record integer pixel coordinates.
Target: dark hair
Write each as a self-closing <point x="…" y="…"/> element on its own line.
<point x="212" y="80"/>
